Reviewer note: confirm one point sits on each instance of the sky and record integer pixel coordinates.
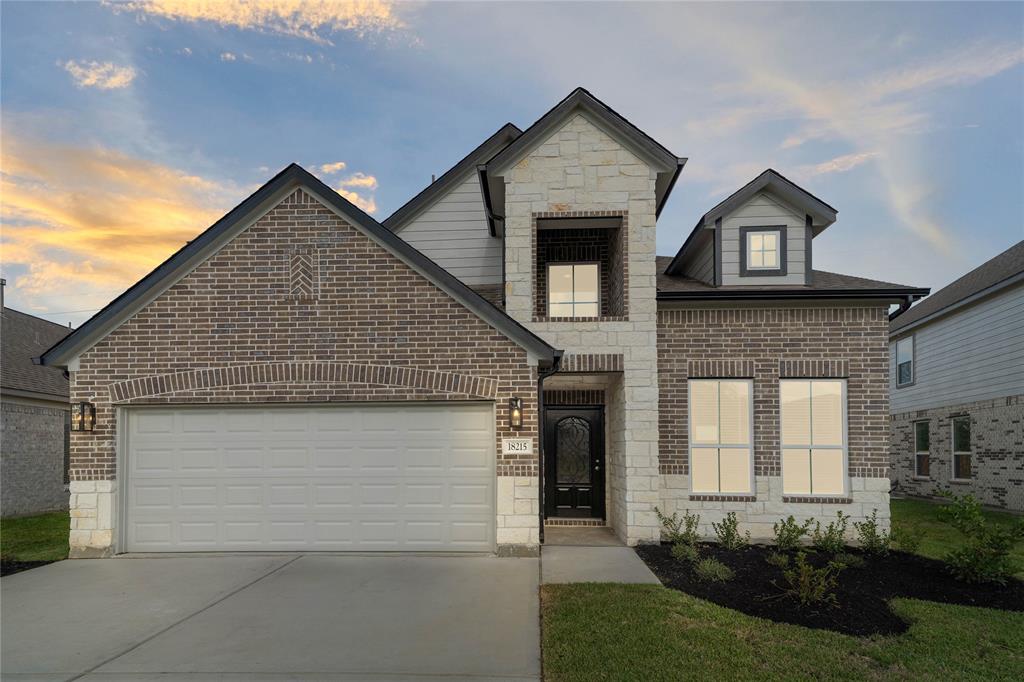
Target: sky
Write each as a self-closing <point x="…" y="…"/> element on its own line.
<point x="128" y="128"/>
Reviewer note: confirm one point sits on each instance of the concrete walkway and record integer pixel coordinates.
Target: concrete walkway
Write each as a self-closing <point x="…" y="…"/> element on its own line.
<point x="274" y="617"/>
<point x="569" y="564"/>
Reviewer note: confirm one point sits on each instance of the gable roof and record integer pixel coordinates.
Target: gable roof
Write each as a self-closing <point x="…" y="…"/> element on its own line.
<point x="665" y="162"/>
<point x="25" y="337"/>
<point x="822" y="215"/>
<point x="454" y="175"/>
<point x="202" y="247"/>
<point x="1004" y="270"/>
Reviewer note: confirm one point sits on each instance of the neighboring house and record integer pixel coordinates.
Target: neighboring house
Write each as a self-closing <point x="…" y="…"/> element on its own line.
<point x="34" y="418"/>
<point x="957" y="387"/>
<point x="504" y="353"/>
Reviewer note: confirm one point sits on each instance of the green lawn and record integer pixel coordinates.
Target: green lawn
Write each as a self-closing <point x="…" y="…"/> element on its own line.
<point x="35" y="538"/>
<point x="645" y="632"/>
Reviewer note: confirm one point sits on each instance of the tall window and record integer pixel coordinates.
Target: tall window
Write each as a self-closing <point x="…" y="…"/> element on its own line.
<point x="574" y="290"/>
<point x="813" y="436"/>
<point x="922" y="460"/>
<point x="905" y="361"/>
<point x="763" y="250"/>
<point x="962" y="447"/>
<point x="721" y="455"/>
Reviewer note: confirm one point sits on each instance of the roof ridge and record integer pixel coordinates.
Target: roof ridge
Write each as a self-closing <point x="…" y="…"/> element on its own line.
<point x="8" y="309"/>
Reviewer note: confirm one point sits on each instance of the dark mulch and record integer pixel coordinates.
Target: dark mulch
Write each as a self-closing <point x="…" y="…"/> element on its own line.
<point x="8" y="567"/>
<point x="862" y="595"/>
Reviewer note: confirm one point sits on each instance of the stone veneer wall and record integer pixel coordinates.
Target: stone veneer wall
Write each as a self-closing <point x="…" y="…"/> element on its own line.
<point x="766" y="344"/>
<point x="32" y="435"/>
<point x="580" y="171"/>
<point x="353" y="324"/>
<point x="997" y="448"/>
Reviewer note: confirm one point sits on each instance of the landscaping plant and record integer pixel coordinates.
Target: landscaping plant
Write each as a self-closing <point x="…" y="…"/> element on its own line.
<point x="847" y="560"/>
<point x="680" y="531"/>
<point x="985" y="556"/>
<point x="788" y="533"/>
<point x="687" y="554"/>
<point x="778" y="559"/>
<point x="712" y="570"/>
<point x="905" y="539"/>
<point x="810" y="585"/>
<point x="832" y="540"/>
<point x="728" y="533"/>
<point x="872" y="540"/>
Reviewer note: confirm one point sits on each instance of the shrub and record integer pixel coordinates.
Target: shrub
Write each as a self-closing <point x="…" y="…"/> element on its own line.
<point x="847" y="560"/>
<point x="728" y="533"/>
<point x="872" y="540"/>
<point x="833" y="539"/>
<point x="678" y="530"/>
<point x="810" y="585"/>
<point x="684" y="553"/>
<point x="905" y="539"/>
<point x="985" y="556"/>
<point x="778" y="559"/>
<point x="788" y="533"/>
<point x="712" y="571"/>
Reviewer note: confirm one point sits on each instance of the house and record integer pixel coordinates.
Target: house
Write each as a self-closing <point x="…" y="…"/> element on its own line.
<point x="506" y="352"/>
<point x="34" y="417"/>
<point x="957" y="387"/>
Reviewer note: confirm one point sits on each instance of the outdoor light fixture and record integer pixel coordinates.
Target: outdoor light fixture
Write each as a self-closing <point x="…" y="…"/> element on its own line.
<point x="83" y="417"/>
<point x="515" y="412"/>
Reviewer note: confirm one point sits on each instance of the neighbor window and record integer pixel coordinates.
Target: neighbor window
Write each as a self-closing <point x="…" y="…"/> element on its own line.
<point x="763" y="250"/>
<point x="720" y="435"/>
<point x="922" y="461"/>
<point x="813" y="436"/>
<point x="905" y="361"/>
<point x="962" y="447"/>
<point x="573" y="290"/>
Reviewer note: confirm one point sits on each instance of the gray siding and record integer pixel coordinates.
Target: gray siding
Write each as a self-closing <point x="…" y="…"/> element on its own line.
<point x="763" y="210"/>
<point x="702" y="265"/>
<point x="973" y="354"/>
<point x="453" y="232"/>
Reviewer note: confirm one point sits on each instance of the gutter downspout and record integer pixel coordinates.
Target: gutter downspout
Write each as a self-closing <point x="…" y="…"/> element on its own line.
<point x="541" y="376"/>
<point x="907" y="301"/>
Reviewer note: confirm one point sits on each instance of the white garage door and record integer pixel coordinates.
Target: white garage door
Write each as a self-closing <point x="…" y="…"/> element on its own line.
<point x="361" y="478"/>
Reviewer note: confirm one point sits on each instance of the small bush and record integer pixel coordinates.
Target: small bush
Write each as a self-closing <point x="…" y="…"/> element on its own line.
<point x="872" y="540"/>
<point x="778" y="559"/>
<point x="905" y="539"/>
<point x="712" y="571"/>
<point x="788" y="533"/>
<point x="832" y="540"/>
<point x="985" y="556"/>
<point x="678" y="530"/>
<point x="809" y="585"/>
<point x="684" y="553"/>
<point x="847" y="560"/>
<point x="728" y="533"/>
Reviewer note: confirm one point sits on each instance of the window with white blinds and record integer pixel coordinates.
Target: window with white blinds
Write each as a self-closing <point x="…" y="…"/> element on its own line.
<point x="721" y="453"/>
<point x="813" y="436"/>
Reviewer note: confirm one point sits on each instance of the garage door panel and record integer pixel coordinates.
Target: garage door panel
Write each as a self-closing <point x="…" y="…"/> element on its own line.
<point x="351" y="478"/>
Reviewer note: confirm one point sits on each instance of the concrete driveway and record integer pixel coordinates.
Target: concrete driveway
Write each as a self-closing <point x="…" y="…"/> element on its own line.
<point x="273" y="617"/>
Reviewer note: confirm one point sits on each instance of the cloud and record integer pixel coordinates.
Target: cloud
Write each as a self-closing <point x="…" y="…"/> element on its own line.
<point x="359" y="180"/>
<point x="366" y="203"/>
<point x="102" y="75"/>
<point x="227" y="57"/>
<point x="839" y="164"/>
<point x="331" y="168"/>
<point x="312" y="20"/>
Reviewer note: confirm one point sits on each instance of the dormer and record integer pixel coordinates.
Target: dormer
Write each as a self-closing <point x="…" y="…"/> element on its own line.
<point x="760" y="235"/>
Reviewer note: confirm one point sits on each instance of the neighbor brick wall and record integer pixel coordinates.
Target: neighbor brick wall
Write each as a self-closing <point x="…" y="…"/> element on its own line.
<point x="361" y="315"/>
<point x="32" y="457"/>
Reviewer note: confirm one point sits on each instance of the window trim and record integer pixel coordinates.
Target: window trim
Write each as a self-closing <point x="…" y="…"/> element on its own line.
<point x="927" y="452"/>
<point x="913" y="361"/>
<point x="954" y="452"/>
<point x="574" y="264"/>
<point x="748" y="271"/>
<point x="750" y="430"/>
<point x="845" y="447"/>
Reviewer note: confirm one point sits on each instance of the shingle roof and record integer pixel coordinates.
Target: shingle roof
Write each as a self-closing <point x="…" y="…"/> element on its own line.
<point x="1009" y="263"/>
<point x="24" y="337"/>
<point x="825" y="285"/>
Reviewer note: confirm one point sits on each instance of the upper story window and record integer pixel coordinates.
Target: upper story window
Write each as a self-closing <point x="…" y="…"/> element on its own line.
<point x="574" y="290"/>
<point x="905" y="361"/>
<point x="813" y="436"/>
<point x="762" y="251"/>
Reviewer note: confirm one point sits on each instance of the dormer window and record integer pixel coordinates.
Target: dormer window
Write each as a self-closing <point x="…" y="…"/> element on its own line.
<point x="573" y="290"/>
<point x="763" y="251"/>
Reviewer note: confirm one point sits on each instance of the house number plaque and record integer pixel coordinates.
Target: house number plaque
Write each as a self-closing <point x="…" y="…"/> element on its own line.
<point x="517" y="446"/>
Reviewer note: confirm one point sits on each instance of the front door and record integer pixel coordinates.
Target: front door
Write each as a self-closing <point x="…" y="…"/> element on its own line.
<point x="574" y="462"/>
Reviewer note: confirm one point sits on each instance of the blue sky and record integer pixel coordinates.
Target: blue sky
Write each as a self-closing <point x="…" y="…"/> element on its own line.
<point x="129" y="128"/>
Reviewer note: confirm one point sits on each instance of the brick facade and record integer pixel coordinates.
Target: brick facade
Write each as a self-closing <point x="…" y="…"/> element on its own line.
<point x="599" y="245"/>
<point x="32" y="448"/>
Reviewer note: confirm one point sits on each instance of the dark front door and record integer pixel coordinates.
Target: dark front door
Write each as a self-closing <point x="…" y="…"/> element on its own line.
<point x="574" y="462"/>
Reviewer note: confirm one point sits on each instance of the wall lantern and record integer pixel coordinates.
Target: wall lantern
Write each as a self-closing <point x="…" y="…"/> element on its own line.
<point x="83" y="417"/>
<point x="515" y="412"/>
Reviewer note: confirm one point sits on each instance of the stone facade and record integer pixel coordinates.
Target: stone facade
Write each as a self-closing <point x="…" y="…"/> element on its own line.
<point x="580" y="172"/>
<point x="366" y="327"/>
<point x="32" y="447"/>
<point x="767" y="344"/>
<point x="997" y="449"/>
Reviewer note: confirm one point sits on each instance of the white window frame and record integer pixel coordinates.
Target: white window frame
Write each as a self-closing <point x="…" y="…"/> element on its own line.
<point x="952" y="448"/>
<point x="845" y="447"/>
<point x="574" y="302"/>
<point x="913" y="361"/>
<point x="778" y="250"/>
<point x="927" y="452"/>
<point x="719" y="446"/>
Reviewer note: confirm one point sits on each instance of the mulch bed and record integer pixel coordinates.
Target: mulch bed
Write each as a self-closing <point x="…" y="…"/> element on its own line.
<point x="862" y="594"/>
<point x="9" y="567"/>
